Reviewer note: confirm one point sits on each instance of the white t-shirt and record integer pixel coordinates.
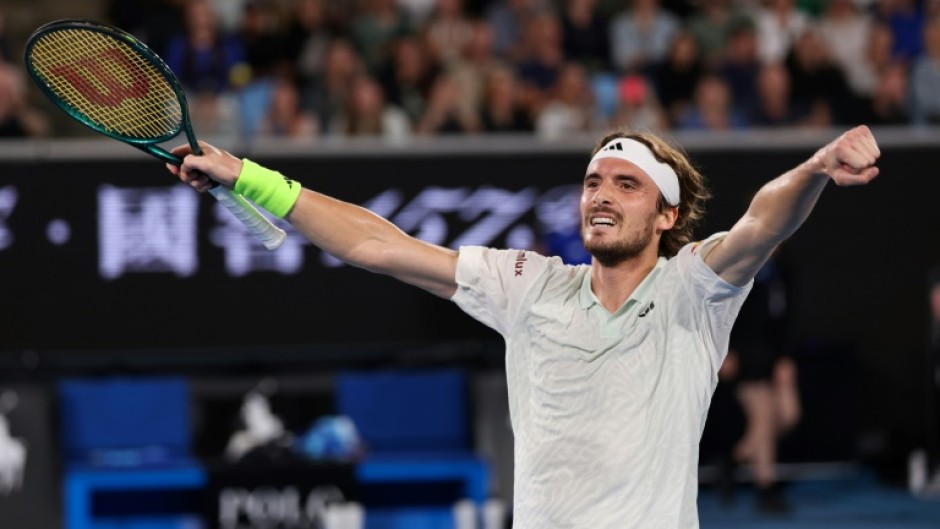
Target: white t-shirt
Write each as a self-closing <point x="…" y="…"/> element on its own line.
<point x="607" y="409"/>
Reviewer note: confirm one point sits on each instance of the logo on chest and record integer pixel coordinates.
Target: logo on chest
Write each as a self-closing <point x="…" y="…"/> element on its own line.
<point x="647" y="310"/>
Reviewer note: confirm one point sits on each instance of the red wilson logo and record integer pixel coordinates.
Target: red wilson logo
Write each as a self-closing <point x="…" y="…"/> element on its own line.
<point x="80" y="74"/>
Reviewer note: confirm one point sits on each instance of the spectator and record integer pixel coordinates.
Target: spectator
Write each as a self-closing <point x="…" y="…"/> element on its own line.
<point x="509" y="19"/>
<point x="778" y="23"/>
<point x="543" y="55"/>
<point x="408" y="78"/>
<point x="230" y="13"/>
<point x="677" y="77"/>
<point x="327" y="99"/>
<point x="906" y="21"/>
<point x="447" y="32"/>
<point x="153" y="21"/>
<point x="889" y="103"/>
<point x="376" y="28"/>
<point x="925" y="77"/>
<point x="17" y="119"/>
<point x="742" y="65"/>
<point x="876" y="58"/>
<point x="444" y="114"/>
<point x="847" y="32"/>
<point x="766" y="380"/>
<point x="543" y="60"/>
<point x="638" y="108"/>
<point x="307" y="41"/>
<point x="817" y="82"/>
<point x="878" y="54"/>
<point x="366" y="114"/>
<point x="502" y="109"/>
<point x="713" y="108"/>
<point x="264" y="39"/>
<point x="211" y="66"/>
<point x="476" y="63"/>
<point x="585" y="36"/>
<point x="773" y="106"/>
<point x="217" y="115"/>
<point x="640" y="37"/>
<point x="285" y="117"/>
<point x="712" y="25"/>
<point x="339" y="15"/>
<point x="571" y="108"/>
<point x="418" y="10"/>
<point x="205" y="59"/>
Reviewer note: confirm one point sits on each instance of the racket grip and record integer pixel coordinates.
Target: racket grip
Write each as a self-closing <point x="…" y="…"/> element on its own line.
<point x="257" y="224"/>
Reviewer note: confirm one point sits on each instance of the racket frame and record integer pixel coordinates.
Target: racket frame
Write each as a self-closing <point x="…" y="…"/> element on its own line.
<point x="270" y="234"/>
<point x="147" y="145"/>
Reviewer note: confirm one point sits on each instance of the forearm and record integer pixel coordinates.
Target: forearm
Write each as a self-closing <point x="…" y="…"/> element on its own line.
<point x="783" y="204"/>
<point x="349" y="232"/>
<point x="363" y="239"/>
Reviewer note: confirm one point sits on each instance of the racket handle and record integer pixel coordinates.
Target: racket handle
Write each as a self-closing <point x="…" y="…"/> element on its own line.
<point x="257" y="224"/>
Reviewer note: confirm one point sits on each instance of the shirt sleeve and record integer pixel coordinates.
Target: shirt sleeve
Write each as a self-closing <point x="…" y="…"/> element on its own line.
<point x="717" y="301"/>
<point x="492" y="284"/>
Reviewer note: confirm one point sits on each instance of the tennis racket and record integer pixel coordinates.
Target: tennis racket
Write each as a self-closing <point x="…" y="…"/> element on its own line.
<point x="108" y="80"/>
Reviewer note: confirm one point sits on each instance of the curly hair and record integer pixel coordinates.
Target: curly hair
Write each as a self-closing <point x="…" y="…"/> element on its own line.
<point x="693" y="187"/>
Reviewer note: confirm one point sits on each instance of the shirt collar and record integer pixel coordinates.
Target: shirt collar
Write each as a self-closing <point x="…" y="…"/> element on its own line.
<point x="642" y="293"/>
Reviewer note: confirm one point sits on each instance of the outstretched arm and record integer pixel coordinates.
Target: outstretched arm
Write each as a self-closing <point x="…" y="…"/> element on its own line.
<point x="783" y="204"/>
<point x="349" y="232"/>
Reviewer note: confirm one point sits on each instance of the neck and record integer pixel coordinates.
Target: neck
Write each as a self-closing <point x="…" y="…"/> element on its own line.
<point x="613" y="285"/>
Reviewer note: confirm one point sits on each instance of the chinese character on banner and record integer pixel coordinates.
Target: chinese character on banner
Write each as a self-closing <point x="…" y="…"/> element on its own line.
<point x="493" y="211"/>
<point x="423" y="217"/>
<point x="245" y="254"/>
<point x="8" y="198"/>
<point x="147" y="230"/>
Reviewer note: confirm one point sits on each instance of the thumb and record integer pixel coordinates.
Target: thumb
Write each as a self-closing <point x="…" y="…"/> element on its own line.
<point x="845" y="177"/>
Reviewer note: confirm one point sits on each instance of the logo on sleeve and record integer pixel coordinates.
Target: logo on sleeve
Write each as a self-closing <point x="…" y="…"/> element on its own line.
<point x="520" y="262"/>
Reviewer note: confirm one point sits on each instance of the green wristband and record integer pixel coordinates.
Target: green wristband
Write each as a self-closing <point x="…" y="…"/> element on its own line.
<point x="269" y="189"/>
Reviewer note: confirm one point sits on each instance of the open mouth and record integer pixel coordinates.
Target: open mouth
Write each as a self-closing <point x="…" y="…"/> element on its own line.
<point x="601" y="221"/>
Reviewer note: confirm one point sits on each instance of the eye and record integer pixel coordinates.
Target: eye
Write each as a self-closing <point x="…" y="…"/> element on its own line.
<point x="627" y="184"/>
<point x="591" y="184"/>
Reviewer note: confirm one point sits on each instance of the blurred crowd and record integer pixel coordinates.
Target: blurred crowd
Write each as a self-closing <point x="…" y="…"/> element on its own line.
<point x="402" y="68"/>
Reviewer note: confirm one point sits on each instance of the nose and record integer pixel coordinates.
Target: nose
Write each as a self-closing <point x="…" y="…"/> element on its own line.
<point x="601" y="195"/>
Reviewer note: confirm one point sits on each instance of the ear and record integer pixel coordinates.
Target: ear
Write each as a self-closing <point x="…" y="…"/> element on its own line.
<point x="668" y="218"/>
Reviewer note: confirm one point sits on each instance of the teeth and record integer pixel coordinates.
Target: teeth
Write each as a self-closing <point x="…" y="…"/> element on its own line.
<point x="602" y="220"/>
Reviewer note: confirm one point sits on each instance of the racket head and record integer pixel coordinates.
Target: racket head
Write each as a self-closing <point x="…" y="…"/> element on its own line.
<point x="108" y="80"/>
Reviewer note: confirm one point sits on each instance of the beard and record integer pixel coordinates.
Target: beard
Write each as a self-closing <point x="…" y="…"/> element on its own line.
<point x="612" y="253"/>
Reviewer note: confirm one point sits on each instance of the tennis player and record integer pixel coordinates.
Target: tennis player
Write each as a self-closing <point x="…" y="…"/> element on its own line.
<point x="610" y="366"/>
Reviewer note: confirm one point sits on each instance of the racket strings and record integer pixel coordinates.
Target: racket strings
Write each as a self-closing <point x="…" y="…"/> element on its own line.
<point x="108" y="82"/>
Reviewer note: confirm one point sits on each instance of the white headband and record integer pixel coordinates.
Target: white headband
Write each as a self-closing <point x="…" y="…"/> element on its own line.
<point x="640" y="155"/>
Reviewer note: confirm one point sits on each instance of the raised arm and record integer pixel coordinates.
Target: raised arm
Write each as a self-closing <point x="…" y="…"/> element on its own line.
<point x="783" y="204"/>
<point x="349" y="232"/>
